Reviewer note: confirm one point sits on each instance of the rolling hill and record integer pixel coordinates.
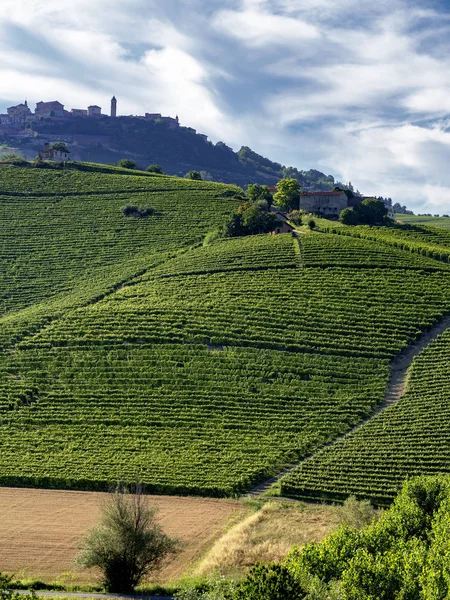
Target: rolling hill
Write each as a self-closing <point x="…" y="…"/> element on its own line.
<point x="129" y="349"/>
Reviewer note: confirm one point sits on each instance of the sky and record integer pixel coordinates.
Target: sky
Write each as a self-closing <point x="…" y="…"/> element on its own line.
<point x="358" y="89"/>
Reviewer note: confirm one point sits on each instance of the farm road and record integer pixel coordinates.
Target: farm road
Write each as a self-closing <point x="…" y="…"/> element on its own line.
<point x="396" y="388"/>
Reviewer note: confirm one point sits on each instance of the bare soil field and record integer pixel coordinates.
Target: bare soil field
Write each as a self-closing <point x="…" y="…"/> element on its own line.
<point x="40" y="530"/>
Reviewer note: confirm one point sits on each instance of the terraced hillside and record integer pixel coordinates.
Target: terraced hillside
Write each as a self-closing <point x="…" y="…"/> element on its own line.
<point x="199" y="369"/>
<point x="408" y="438"/>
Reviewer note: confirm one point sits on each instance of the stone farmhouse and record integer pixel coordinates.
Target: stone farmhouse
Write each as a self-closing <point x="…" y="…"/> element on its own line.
<point x="56" y="154"/>
<point x="326" y="203"/>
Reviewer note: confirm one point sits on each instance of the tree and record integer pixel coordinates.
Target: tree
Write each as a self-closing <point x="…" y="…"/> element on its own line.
<point x="288" y="194"/>
<point x="372" y="211"/>
<point x="256" y="193"/>
<point x="311" y="224"/>
<point x="127" y="163"/>
<point x="155" y="169"/>
<point x="193" y="175"/>
<point x="61" y="146"/>
<point x="349" y="216"/>
<point x="128" y="543"/>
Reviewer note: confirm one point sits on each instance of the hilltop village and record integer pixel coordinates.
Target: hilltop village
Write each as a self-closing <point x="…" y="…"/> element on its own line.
<point x="90" y="135"/>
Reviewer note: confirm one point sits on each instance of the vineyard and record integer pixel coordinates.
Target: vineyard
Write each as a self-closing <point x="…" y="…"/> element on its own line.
<point x="130" y="349"/>
<point x="409" y="438"/>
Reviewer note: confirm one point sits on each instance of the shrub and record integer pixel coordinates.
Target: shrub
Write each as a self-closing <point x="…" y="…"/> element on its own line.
<point x="128" y="544"/>
<point x="296" y="217"/>
<point x="193" y="175"/>
<point x="155" y="169"/>
<point x="127" y="163"/>
<point x="212" y="236"/>
<point x="130" y="210"/>
<point x="357" y="513"/>
<point x="269" y="582"/>
<point x="311" y="224"/>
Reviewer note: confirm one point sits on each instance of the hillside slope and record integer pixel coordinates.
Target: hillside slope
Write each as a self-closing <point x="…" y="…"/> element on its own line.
<point x="198" y="369"/>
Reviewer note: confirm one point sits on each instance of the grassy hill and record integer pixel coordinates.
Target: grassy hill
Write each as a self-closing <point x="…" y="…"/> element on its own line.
<point x="441" y="222"/>
<point x="129" y="349"/>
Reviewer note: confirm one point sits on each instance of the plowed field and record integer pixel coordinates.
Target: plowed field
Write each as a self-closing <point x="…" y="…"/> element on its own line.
<point x="40" y="530"/>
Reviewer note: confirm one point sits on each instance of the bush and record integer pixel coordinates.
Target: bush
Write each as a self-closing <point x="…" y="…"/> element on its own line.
<point x="212" y="237"/>
<point x="155" y="169"/>
<point x="311" y="224"/>
<point x="130" y="210"/>
<point x="193" y="175"/>
<point x="127" y="163"/>
<point x="128" y="544"/>
<point x="269" y="582"/>
<point x="296" y="217"/>
<point x="6" y="589"/>
<point x="357" y="513"/>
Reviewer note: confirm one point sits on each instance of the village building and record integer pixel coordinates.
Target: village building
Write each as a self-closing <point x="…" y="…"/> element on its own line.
<point x="49" y="109"/>
<point x="79" y="112"/>
<point x="18" y="113"/>
<point x="326" y="203"/>
<point x="113" y="107"/>
<point x="56" y="154"/>
<point x="94" y="111"/>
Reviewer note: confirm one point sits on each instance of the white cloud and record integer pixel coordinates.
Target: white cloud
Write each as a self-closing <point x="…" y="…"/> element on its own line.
<point x="338" y="85"/>
<point x="259" y="28"/>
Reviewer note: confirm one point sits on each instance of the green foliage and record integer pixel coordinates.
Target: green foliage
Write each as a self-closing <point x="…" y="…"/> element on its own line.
<point x="59" y="146"/>
<point x="7" y="588"/>
<point x="195" y="175"/>
<point x="357" y="513"/>
<point x="216" y="589"/>
<point x="269" y="582"/>
<point x="369" y="212"/>
<point x="127" y="163"/>
<point x="296" y="216"/>
<point x="256" y="193"/>
<point x="250" y="220"/>
<point x="130" y="210"/>
<point x="288" y="195"/>
<point x="155" y="169"/>
<point x="311" y="224"/>
<point x="403" y="556"/>
<point x="128" y="544"/>
<point x="349" y="216"/>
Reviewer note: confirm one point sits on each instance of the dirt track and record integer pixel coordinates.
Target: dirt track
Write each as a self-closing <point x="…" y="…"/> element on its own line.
<point x="40" y="529"/>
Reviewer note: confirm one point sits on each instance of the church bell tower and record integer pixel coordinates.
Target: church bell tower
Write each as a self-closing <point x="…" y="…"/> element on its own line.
<point x="113" y="107"/>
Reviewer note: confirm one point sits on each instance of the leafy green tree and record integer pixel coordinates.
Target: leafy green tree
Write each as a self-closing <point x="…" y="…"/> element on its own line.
<point x="194" y="175"/>
<point x="128" y="543"/>
<point x="127" y="163"/>
<point x="311" y="224"/>
<point x="349" y="216"/>
<point x="372" y="211"/>
<point x="288" y="195"/>
<point x="256" y="220"/>
<point x="61" y="146"/>
<point x="256" y="193"/>
<point x="155" y="169"/>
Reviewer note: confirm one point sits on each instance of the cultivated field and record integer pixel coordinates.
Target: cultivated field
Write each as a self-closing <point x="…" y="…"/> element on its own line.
<point x="40" y="530"/>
